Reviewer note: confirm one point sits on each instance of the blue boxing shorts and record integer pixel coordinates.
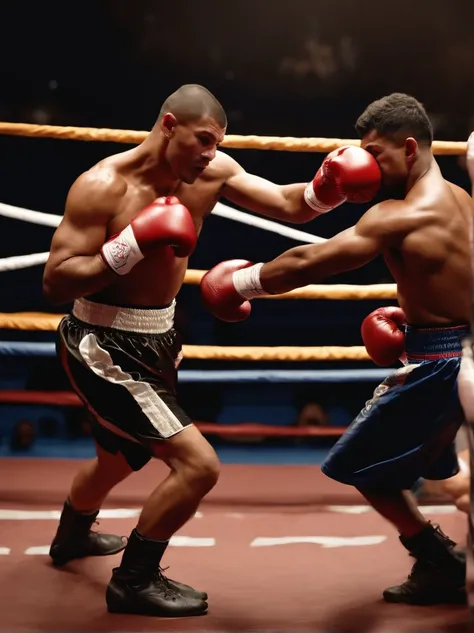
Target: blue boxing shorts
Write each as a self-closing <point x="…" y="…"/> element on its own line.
<point x="407" y="430"/>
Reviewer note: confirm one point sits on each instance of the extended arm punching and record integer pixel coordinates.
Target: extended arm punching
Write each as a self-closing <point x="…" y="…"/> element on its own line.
<point x="227" y="287"/>
<point x="348" y="174"/>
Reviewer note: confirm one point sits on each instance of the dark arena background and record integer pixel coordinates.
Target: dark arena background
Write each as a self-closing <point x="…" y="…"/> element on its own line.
<point x="276" y="544"/>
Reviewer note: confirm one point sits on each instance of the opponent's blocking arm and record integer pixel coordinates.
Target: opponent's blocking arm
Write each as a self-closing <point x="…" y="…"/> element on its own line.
<point x="348" y="174"/>
<point x="226" y="288"/>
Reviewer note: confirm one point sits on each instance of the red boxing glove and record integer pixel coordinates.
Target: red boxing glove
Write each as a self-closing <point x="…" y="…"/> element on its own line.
<point x="348" y="174"/>
<point x="226" y="288"/>
<point x="384" y="341"/>
<point x="165" y="222"/>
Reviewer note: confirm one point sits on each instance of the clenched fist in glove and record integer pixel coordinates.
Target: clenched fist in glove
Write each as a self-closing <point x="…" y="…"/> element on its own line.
<point x="165" y="222"/>
<point x="348" y="174"/>
<point x="226" y="288"/>
<point x="383" y="339"/>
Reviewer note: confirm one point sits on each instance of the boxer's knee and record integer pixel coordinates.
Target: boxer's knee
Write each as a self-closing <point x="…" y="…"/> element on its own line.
<point x="193" y="459"/>
<point x="203" y="474"/>
<point x="457" y="488"/>
<point x="463" y="503"/>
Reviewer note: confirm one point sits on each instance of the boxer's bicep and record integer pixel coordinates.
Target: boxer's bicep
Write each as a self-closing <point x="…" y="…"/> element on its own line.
<point x="73" y="237"/>
<point x="254" y="193"/>
<point x="348" y="250"/>
<point x="380" y="229"/>
<point x="257" y="194"/>
<point x="90" y="206"/>
<point x="387" y="224"/>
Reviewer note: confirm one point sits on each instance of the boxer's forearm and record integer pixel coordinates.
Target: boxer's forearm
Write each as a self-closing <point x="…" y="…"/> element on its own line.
<point x="77" y="277"/>
<point x="352" y="248"/>
<point x="297" y="208"/>
<point x="293" y="269"/>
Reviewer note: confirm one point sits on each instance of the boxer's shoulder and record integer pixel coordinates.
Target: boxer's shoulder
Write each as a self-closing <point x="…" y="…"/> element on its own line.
<point x="101" y="187"/>
<point x="225" y="165"/>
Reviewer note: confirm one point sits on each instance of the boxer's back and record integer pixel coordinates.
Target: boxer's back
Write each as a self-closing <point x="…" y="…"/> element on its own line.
<point x="432" y="266"/>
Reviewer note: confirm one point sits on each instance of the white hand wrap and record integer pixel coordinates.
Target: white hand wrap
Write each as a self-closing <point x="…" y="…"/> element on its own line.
<point x="247" y="282"/>
<point x="312" y="201"/>
<point x="123" y="252"/>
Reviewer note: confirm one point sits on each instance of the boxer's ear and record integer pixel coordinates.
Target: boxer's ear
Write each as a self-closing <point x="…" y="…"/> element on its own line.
<point x="168" y="124"/>
<point x="411" y="150"/>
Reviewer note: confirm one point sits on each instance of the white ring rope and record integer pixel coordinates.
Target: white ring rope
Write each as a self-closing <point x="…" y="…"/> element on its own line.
<point x="268" y="225"/>
<point x="49" y="219"/>
<point x="22" y="261"/>
<point x="35" y="217"/>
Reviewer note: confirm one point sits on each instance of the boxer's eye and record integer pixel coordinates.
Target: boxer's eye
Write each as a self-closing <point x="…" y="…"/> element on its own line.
<point x="375" y="152"/>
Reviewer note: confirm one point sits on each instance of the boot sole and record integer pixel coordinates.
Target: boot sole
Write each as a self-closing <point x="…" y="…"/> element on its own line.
<point x="60" y="561"/>
<point x="141" y="610"/>
<point x="456" y="598"/>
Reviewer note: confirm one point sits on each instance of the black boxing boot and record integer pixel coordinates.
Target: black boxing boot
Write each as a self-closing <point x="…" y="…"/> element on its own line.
<point x="438" y="575"/>
<point x="139" y="587"/>
<point x="184" y="590"/>
<point x="75" y="539"/>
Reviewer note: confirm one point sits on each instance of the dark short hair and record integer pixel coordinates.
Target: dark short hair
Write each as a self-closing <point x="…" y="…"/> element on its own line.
<point x="396" y="116"/>
<point x="192" y="102"/>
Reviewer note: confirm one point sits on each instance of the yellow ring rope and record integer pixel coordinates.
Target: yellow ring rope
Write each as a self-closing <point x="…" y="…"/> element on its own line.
<point x="49" y="322"/>
<point x="234" y="141"/>
<point x="283" y="353"/>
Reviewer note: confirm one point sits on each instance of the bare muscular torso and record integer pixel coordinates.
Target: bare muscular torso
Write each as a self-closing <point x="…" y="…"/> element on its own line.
<point x="156" y="280"/>
<point x="432" y="267"/>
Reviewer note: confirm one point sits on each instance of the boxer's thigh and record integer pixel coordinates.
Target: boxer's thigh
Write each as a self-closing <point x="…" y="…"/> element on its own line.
<point x="411" y="419"/>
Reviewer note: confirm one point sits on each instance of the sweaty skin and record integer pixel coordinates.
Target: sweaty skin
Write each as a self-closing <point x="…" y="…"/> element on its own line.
<point x="423" y="238"/>
<point x="106" y="198"/>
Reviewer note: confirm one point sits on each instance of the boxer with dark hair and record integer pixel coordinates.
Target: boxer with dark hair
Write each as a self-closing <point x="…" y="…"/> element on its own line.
<point x="407" y="430"/>
<point x="121" y="253"/>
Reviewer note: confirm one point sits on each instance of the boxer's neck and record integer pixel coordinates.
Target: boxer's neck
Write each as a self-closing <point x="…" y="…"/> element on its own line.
<point x="421" y="167"/>
<point x="152" y="166"/>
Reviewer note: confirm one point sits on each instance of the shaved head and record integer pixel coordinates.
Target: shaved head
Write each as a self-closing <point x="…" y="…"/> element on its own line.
<point x="192" y="102"/>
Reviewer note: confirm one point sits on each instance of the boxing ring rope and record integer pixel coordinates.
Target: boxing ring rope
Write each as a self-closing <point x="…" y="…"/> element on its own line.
<point x="35" y="321"/>
<point x="70" y="399"/>
<point x="232" y="141"/>
<point x="216" y="352"/>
